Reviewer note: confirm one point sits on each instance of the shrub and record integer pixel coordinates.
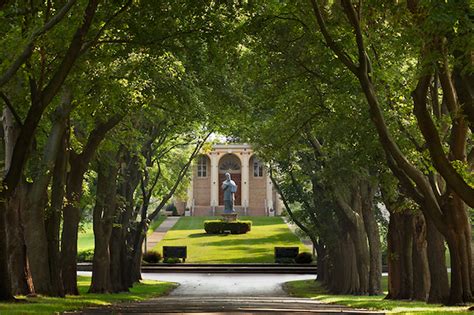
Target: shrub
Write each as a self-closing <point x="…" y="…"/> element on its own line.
<point x="152" y="257"/>
<point x="172" y="260"/>
<point x="285" y="260"/>
<point x="85" y="255"/>
<point x="304" y="258"/>
<point x="220" y="227"/>
<point x="172" y="208"/>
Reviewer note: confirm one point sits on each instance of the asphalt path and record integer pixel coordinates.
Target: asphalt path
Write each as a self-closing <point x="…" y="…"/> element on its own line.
<point x="225" y="284"/>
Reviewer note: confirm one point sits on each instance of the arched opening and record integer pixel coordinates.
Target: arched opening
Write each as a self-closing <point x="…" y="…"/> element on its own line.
<point x="230" y="163"/>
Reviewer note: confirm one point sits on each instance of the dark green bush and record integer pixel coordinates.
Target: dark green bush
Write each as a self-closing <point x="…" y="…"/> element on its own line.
<point x="221" y="227"/>
<point x="152" y="257"/>
<point x="304" y="258"/>
<point x="85" y="255"/>
<point x="285" y="260"/>
<point x="172" y="260"/>
<point x="172" y="208"/>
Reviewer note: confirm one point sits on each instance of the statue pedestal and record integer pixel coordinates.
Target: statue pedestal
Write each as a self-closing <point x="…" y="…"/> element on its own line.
<point x="229" y="217"/>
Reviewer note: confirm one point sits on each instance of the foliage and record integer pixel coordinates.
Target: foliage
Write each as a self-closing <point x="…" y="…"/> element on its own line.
<point x="222" y="227"/>
<point x="304" y="258"/>
<point x="86" y="255"/>
<point x="172" y="208"/>
<point x="152" y="257"/>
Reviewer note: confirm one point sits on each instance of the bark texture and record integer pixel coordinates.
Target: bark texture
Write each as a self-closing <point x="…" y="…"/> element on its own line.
<point x="103" y="219"/>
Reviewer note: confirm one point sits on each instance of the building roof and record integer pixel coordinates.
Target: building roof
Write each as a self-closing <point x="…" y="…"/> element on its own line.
<point x="231" y="146"/>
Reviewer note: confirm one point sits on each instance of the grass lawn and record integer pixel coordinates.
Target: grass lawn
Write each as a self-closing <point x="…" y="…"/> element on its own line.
<point x="257" y="246"/>
<point x="86" y="234"/>
<point x="50" y="305"/>
<point x="314" y="290"/>
<point x="156" y="223"/>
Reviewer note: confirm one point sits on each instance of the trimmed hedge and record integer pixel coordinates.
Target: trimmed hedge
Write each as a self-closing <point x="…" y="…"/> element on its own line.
<point x="304" y="258"/>
<point x="221" y="227"/>
<point x="151" y="257"/>
<point x="85" y="255"/>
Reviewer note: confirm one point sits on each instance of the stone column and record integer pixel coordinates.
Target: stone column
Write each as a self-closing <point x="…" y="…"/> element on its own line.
<point x="269" y="194"/>
<point x="245" y="181"/>
<point x="189" y="202"/>
<point x="214" y="180"/>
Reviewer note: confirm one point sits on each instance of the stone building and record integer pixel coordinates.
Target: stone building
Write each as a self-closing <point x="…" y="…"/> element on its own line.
<point x="255" y="195"/>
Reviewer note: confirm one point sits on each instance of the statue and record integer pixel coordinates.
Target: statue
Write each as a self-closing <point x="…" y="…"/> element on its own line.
<point x="230" y="188"/>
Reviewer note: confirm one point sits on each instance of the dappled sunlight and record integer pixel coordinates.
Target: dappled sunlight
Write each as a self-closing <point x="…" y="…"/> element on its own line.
<point x="49" y="305"/>
<point x="313" y="289"/>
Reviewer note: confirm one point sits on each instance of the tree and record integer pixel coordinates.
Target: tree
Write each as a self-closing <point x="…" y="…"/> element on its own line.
<point x="449" y="217"/>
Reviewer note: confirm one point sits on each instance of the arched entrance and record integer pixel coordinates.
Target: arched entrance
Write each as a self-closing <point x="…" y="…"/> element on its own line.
<point x="230" y="163"/>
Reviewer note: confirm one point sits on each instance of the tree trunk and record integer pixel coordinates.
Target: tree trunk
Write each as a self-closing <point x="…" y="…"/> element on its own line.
<point x="37" y="198"/>
<point x="373" y="236"/>
<point x="421" y="270"/>
<point x="119" y="242"/>
<point x="5" y="281"/>
<point x="22" y="283"/>
<point x="321" y="260"/>
<point x="400" y="267"/>
<point x="71" y="212"/>
<point x="10" y="135"/>
<point x="344" y="276"/>
<point x="71" y="218"/>
<point x="439" y="289"/>
<point x="459" y="243"/>
<point x="53" y="220"/>
<point x="103" y="217"/>
<point x="138" y="251"/>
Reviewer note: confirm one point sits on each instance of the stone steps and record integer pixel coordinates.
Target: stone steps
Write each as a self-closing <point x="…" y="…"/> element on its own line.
<point x="221" y="268"/>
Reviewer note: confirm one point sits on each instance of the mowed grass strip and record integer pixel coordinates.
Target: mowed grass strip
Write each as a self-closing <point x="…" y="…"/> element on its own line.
<point x="257" y="246"/>
<point x="53" y="305"/>
<point x="313" y="289"/>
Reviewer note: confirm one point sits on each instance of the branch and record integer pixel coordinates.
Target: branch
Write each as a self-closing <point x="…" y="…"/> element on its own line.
<point x="338" y="50"/>
<point x="97" y="135"/>
<point x="404" y="180"/>
<point x="353" y="17"/>
<point x="180" y="177"/>
<point x="11" y="108"/>
<point x="454" y="180"/>
<point x="103" y="28"/>
<point x="28" y="50"/>
<point x="290" y="212"/>
<point x="71" y="56"/>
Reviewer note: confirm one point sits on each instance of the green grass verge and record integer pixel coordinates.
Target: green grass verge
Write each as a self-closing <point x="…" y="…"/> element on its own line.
<point x="51" y="305"/>
<point x="256" y="246"/>
<point x="313" y="289"/>
<point x="86" y="233"/>
<point x="156" y="223"/>
<point x="85" y="238"/>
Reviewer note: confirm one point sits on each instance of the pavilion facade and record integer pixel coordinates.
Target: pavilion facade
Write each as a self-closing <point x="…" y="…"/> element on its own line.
<point x="255" y="195"/>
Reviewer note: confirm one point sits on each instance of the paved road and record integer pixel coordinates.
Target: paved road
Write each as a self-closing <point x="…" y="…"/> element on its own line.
<point x="225" y="294"/>
<point x="225" y="284"/>
<point x="228" y="284"/>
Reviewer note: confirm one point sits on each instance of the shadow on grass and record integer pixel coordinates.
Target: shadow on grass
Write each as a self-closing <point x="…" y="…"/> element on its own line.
<point x="201" y="235"/>
<point x="277" y="239"/>
<point x="190" y="223"/>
